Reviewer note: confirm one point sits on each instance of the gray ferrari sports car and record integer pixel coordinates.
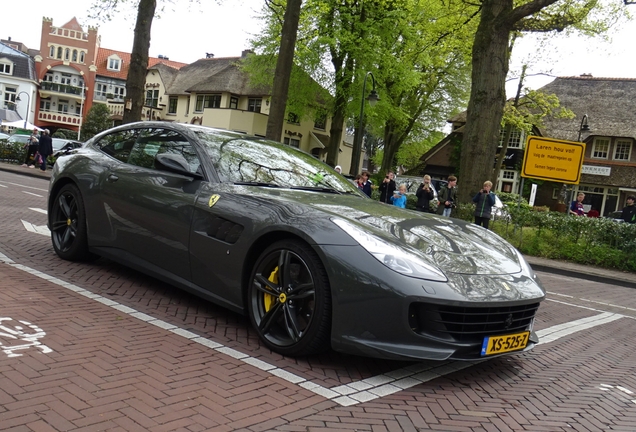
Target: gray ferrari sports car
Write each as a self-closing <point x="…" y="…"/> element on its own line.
<point x="267" y="230"/>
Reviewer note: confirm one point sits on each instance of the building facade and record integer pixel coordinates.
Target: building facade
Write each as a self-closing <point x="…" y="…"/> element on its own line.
<point x="18" y="85"/>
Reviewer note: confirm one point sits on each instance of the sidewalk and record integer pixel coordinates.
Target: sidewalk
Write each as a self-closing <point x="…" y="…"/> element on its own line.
<point x="565" y="268"/>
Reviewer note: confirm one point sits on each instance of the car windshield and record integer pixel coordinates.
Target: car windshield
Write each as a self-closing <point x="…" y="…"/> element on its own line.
<point x="249" y="160"/>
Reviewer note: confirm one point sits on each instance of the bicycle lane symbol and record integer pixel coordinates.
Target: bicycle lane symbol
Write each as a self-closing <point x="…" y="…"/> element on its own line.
<point x="20" y="337"/>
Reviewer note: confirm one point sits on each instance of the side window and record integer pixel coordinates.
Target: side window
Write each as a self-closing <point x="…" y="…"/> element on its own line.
<point x="119" y="144"/>
<point x="152" y="142"/>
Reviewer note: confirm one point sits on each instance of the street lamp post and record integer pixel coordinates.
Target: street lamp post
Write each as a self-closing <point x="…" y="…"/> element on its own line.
<point x="372" y="98"/>
<point x="584" y="127"/>
<point x="26" y="117"/>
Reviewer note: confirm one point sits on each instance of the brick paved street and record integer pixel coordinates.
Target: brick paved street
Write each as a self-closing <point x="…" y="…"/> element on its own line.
<point x="106" y="348"/>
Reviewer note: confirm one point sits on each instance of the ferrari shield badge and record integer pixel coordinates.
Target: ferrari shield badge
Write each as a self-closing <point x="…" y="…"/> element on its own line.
<point x="213" y="199"/>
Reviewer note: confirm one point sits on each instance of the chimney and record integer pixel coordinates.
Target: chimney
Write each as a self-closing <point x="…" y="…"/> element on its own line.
<point x="209" y="55"/>
<point x="244" y="53"/>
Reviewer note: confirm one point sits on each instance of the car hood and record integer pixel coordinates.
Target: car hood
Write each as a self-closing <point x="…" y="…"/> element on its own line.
<point x="452" y="245"/>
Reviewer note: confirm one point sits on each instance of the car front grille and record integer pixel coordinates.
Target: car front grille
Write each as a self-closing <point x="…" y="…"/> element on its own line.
<point x="469" y="324"/>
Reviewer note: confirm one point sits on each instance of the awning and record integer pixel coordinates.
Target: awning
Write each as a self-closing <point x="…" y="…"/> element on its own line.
<point x="319" y="140"/>
<point x="20" y="124"/>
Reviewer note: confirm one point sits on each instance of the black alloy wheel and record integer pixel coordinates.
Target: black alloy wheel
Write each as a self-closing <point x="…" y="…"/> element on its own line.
<point x="289" y="299"/>
<point x="67" y="221"/>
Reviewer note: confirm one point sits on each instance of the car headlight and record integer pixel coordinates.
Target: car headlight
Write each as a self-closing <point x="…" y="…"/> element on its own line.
<point x="399" y="259"/>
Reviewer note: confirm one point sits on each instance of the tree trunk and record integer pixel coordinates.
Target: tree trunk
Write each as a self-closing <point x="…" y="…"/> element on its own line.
<point x="282" y="74"/>
<point x="504" y="148"/>
<point x="344" y="79"/>
<point x="136" y="80"/>
<point x="490" y="59"/>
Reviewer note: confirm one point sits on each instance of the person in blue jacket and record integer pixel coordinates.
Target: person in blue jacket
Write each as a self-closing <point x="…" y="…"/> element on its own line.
<point x="484" y="201"/>
<point x="399" y="197"/>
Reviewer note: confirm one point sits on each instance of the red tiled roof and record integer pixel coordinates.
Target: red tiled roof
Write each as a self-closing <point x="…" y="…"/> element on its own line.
<point x="102" y="63"/>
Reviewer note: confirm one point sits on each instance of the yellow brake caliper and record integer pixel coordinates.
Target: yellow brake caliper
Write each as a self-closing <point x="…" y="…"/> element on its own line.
<point x="269" y="299"/>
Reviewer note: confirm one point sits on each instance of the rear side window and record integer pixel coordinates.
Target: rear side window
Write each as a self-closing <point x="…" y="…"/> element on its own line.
<point x="154" y="141"/>
<point x="118" y="144"/>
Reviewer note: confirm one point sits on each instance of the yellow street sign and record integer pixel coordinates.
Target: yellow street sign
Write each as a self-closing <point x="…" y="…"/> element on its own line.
<point x="553" y="160"/>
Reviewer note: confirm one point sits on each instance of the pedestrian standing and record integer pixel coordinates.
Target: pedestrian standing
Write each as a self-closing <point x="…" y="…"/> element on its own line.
<point x="45" y="148"/>
<point x="629" y="211"/>
<point x="576" y="207"/>
<point x="366" y="183"/>
<point x="387" y="188"/>
<point x="447" y="196"/>
<point x="399" y="197"/>
<point x="32" y="148"/>
<point x="484" y="201"/>
<point x="425" y="193"/>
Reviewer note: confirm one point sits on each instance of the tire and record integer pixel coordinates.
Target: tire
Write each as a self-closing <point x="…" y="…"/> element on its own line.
<point x="289" y="299"/>
<point x="68" y="225"/>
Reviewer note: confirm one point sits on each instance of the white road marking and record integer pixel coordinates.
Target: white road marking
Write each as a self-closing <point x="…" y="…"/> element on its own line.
<point x="608" y="387"/>
<point x="594" y="301"/>
<point x="24" y="186"/>
<point x="347" y="394"/>
<point x="38" y="229"/>
<point x="17" y="333"/>
<point x="1" y="185"/>
<point x="39" y="210"/>
<point x="31" y="193"/>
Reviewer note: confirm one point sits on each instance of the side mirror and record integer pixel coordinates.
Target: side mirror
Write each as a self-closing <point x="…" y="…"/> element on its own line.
<point x="175" y="163"/>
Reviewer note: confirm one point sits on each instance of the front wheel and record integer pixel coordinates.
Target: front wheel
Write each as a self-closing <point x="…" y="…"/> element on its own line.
<point x="68" y="225"/>
<point x="289" y="300"/>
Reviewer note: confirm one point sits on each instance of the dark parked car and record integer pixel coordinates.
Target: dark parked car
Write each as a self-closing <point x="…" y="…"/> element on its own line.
<point x="265" y="229"/>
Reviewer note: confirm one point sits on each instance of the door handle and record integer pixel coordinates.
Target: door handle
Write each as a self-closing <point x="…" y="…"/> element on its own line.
<point x="112" y="178"/>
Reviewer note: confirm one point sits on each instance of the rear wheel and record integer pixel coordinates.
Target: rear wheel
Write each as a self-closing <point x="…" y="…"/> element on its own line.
<point x="68" y="225"/>
<point x="289" y="299"/>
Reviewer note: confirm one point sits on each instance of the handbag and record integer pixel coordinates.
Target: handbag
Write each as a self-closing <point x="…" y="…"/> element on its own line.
<point x="38" y="158"/>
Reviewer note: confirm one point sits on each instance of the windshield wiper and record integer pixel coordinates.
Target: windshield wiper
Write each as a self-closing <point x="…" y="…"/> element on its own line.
<point x="261" y="184"/>
<point x="317" y="189"/>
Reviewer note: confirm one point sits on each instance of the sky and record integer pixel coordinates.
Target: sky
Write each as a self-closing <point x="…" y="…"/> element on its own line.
<point x="189" y="31"/>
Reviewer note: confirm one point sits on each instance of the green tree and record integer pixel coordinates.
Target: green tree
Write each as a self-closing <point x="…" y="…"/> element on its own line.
<point x="97" y="119"/>
<point x="340" y="42"/>
<point x="500" y="20"/>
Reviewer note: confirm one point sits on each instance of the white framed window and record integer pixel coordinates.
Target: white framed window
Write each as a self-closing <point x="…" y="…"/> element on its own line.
<point x="622" y="150"/>
<point x="119" y="92"/>
<point x="62" y="106"/>
<point x="10" y="94"/>
<point x="100" y="90"/>
<point x="67" y="54"/>
<point x="75" y="55"/>
<point x="82" y="55"/>
<point x="233" y="102"/>
<point x="114" y="63"/>
<point x="510" y="175"/>
<point x="600" y="148"/>
<point x="6" y="67"/>
<point x="152" y="98"/>
<point x="59" y="53"/>
<point x="66" y="79"/>
<point x="517" y="137"/>
<point x="52" y="51"/>
<point x="45" y="104"/>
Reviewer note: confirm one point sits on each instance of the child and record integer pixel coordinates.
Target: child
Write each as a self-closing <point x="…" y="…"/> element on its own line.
<point x="399" y="197"/>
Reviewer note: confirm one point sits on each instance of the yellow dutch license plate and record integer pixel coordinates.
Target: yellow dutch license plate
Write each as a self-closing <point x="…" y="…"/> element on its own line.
<point x="501" y="344"/>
